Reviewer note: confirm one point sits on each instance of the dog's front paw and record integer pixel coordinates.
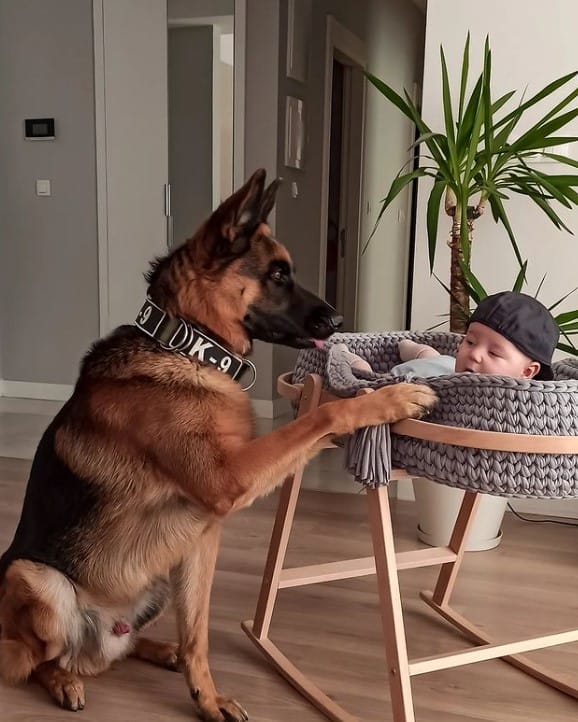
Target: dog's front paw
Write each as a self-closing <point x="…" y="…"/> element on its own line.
<point x="232" y="710"/>
<point x="68" y="691"/>
<point x="384" y="406"/>
<point x="218" y="709"/>
<point x="407" y="401"/>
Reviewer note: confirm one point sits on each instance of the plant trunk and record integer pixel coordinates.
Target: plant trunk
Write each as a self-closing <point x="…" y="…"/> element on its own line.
<point x="460" y="297"/>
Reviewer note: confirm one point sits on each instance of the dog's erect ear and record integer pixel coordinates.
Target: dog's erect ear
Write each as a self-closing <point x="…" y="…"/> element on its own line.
<point x="242" y="213"/>
<point x="268" y="200"/>
<point x="242" y="209"/>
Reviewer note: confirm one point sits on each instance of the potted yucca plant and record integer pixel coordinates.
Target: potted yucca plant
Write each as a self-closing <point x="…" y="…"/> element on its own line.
<point x="477" y="161"/>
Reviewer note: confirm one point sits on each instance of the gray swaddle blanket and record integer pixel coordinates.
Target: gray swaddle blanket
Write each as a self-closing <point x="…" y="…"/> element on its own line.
<point x="368" y="450"/>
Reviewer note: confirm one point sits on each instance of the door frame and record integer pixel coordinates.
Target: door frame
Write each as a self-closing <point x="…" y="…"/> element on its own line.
<point x="348" y="49"/>
<point x="240" y="31"/>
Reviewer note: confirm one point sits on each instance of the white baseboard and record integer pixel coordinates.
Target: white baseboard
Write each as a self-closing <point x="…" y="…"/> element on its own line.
<point x="27" y="390"/>
<point x="566" y="508"/>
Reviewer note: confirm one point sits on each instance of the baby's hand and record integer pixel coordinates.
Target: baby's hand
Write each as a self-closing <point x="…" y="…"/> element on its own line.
<point x="355" y="361"/>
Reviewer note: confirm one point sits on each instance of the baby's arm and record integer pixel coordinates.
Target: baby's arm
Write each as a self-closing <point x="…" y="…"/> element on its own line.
<point x="409" y="350"/>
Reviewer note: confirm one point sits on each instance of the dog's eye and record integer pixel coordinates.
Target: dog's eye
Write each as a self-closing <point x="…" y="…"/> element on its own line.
<point x="277" y="276"/>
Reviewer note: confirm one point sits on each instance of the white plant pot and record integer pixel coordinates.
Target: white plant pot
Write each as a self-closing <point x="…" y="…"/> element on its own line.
<point x="437" y="509"/>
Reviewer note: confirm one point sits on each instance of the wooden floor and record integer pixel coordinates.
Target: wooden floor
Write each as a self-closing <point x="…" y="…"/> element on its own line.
<point x="528" y="586"/>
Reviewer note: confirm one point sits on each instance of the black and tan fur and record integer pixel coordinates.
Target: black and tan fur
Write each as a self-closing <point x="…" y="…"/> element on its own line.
<point x="134" y="477"/>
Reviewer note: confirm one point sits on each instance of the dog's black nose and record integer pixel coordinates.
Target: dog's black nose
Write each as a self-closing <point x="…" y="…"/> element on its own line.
<point x="324" y="321"/>
<point x="336" y="321"/>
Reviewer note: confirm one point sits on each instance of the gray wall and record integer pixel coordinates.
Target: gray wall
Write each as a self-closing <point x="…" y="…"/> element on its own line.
<point x="48" y="246"/>
<point x="199" y="8"/>
<point x="393" y="32"/>
<point x="190" y="63"/>
<point x="261" y="89"/>
<point x="299" y="219"/>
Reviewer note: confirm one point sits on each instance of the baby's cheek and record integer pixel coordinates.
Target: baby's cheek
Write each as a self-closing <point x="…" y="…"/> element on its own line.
<point x="460" y="363"/>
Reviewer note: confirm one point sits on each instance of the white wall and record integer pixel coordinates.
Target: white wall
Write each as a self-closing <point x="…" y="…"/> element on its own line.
<point x="529" y="49"/>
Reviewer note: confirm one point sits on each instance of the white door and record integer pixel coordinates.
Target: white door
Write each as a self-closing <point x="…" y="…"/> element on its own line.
<point x="132" y="149"/>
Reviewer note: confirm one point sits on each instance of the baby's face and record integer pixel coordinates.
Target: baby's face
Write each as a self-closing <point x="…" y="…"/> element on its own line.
<point x="484" y="351"/>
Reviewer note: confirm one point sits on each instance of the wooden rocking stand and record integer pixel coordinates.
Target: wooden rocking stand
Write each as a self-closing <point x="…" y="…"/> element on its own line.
<point x="386" y="564"/>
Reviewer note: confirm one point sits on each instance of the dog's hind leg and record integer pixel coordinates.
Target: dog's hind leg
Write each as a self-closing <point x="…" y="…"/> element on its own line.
<point x="163" y="654"/>
<point x="17" y="660"/>
<point x="36" y="613"/>
<point x="192" y="580"/>
<point x="65" y="687"/>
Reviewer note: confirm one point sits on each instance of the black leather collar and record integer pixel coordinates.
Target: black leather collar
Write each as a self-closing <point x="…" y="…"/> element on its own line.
<point x="180" y="336"/>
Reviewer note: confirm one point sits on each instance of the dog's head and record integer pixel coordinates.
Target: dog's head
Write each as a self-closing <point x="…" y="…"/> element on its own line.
<point x="233" y="278"/>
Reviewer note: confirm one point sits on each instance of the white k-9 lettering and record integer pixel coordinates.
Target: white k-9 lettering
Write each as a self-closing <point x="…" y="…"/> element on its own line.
<point x="199" y="348"/>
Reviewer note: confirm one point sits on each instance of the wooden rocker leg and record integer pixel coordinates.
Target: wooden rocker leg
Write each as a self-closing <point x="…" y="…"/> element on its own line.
<point x="276" y="554"/>
<point x="449" y="571"/>
<point x="258" y="629"/>
<point x="390" y="605"/>
<point x="283" y="524"/>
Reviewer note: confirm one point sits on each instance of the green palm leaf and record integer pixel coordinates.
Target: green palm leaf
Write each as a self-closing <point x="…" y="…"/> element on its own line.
<point x="479" y="158"/>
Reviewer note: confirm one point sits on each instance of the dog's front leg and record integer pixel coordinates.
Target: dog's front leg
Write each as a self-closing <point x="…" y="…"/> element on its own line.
<point x="266" y="461"/>
<point x="192" y="580"/>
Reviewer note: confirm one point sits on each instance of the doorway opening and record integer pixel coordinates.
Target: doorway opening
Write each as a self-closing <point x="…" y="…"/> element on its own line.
<point x="342" y="170"/>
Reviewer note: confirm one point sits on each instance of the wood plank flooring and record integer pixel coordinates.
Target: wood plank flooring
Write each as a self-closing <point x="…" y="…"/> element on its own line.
<point x="527" y="586"/>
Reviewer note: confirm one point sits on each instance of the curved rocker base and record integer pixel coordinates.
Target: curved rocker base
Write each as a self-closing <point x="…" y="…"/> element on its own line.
<point x="506" y="652"/>
<point x="297" y="679"/>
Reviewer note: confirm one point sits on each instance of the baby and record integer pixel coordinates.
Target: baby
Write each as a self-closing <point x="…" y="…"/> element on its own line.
<point x="509" y="334"/>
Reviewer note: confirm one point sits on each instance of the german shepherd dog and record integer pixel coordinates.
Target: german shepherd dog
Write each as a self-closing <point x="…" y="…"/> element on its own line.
<point x="133" y="479"/>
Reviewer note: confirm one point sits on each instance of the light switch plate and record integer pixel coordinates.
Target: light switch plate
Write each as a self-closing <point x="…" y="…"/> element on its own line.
<point x="43" y="188"/>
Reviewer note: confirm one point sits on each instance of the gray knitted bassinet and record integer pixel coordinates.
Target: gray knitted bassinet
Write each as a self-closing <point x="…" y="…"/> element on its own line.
<point x="488" y="403"/>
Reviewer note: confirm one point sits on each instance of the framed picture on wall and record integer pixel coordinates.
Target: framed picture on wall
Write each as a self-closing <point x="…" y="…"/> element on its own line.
<point x="294" y="132"/>
<point x="297" y="39"/>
